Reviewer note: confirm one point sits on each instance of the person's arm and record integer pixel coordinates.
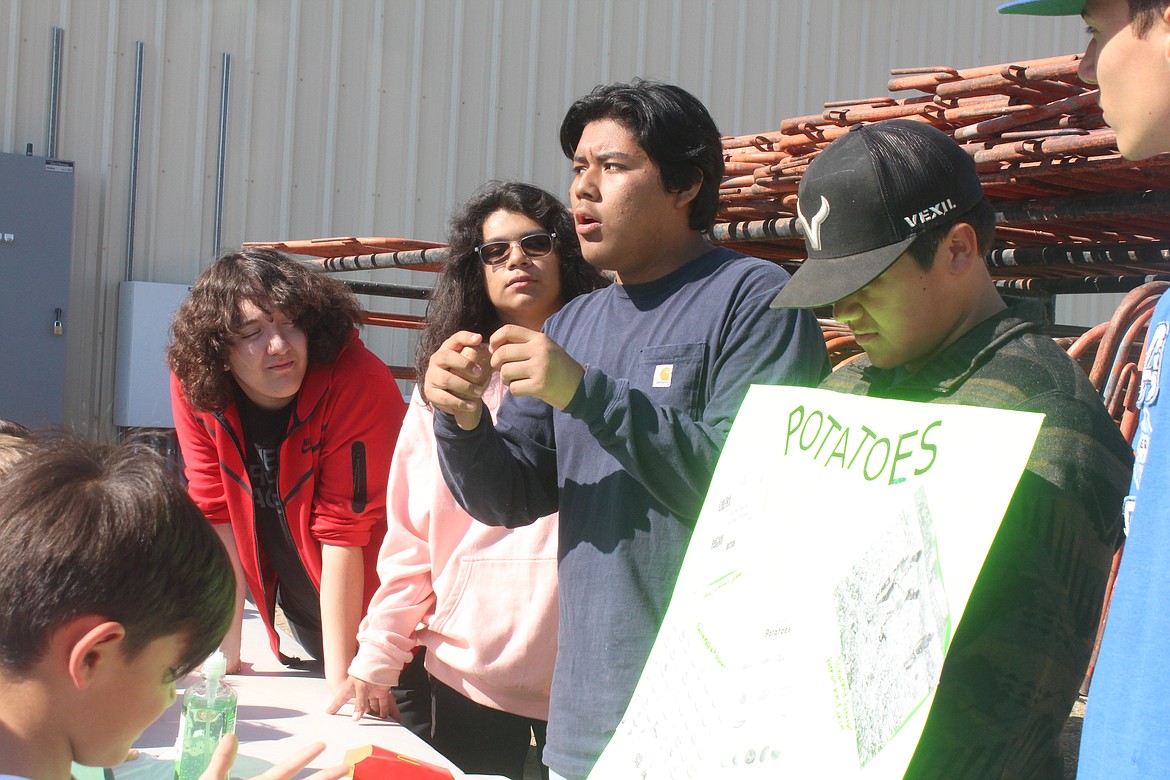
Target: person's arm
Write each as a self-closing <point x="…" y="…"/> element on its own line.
<point x="225" y="755"/>
<point x="386" y="637"/>
<point x="667" y="450"/>
<point x="205" y="486"/>
<point x="342" y="586"/>
<point x="1009" y="678"/>
<point x="230" y="646"/>
<point x="457" y="375"/>
<point x="507" y="482"/>
<point x="672" y="453"/>
<point x="506" y="476"/>
<point x="363" y="413"/>
<point x="367" y="697"/>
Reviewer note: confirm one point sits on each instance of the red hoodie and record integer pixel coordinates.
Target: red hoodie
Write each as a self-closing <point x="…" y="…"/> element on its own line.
<point x="334" y="462"/>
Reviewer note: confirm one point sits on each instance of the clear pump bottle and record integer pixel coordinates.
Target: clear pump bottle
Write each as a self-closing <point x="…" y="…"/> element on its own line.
<point x="209" y="712"/>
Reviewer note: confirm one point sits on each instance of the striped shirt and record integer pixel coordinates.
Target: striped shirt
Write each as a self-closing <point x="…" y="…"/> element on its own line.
<point x="1020" y="653"/>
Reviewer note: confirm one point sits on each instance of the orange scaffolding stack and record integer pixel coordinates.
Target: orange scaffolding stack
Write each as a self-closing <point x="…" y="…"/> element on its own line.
<point x="1073" y="215"/>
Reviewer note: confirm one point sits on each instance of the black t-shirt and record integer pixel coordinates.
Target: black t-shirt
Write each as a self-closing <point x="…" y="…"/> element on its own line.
<point x="280" y="563"/>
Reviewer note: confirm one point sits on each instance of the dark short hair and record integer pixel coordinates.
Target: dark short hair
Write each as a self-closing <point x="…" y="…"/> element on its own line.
<point x="1143" y="14"/>
<point x="12" y="449"/>
<point x="14" y="443"/>
<point x="209" y="318"/>
<point x="671" y="125"/>
<point x="13" y="428"/>
<point x="981" y="218"/>
<point x="91" y="529"/>
<point x="459" y="300"/>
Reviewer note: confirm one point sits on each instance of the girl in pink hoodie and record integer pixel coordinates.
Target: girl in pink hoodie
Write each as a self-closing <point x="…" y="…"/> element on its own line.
<point x="481" y="599"/>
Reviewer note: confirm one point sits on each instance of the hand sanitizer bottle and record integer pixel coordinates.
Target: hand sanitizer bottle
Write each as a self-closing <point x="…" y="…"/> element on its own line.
<point x="209" y="712"/>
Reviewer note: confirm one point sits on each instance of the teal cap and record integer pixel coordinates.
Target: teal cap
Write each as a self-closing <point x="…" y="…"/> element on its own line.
<point x="1043" y="7"/>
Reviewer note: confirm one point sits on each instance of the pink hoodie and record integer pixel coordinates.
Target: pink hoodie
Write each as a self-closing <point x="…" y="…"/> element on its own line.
<point x="483" y="600"/>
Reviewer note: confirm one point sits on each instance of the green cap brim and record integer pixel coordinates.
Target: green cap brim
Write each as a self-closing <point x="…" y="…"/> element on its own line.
<point x="1043" y="7"/>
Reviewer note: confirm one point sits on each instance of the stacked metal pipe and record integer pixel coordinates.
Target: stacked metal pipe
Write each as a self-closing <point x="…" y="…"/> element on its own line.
<point x="1073" y="215"/>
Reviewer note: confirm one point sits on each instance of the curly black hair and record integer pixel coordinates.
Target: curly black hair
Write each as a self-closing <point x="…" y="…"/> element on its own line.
<point x="459" y="300"/>
<point x="209" y="318"/>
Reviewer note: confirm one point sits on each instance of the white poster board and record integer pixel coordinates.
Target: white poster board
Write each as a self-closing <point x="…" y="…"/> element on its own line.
<point x="828" y="570"/>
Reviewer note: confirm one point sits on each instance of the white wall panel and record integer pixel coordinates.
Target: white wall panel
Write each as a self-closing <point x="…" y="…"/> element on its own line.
<point x="377" y="117"/>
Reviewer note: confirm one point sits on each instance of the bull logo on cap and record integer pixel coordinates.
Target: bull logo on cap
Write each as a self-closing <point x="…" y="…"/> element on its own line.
<point x="812" y="231"/>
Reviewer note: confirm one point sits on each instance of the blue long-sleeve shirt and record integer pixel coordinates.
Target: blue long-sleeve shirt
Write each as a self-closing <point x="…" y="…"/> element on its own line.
<point x="628" y="462"/>
<point x="1125" y="735"/>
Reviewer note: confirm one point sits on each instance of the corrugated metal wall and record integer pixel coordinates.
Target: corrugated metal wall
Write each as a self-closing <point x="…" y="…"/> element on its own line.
<point x="377" y="117"/>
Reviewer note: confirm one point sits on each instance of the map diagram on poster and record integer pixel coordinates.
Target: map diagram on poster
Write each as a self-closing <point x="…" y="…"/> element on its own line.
<point x="894" y="623"/>
<point x="828" y="570"/>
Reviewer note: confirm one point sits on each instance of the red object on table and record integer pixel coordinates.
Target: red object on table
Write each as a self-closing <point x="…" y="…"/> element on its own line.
<point x="375" y="763"/>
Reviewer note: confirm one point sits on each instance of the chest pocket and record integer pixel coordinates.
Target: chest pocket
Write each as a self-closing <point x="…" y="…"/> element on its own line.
<point x="672" y="375"/>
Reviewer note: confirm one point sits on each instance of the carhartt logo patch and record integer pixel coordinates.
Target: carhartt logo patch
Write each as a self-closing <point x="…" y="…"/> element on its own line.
<point x="812" y="230"/>
<point x="663" y="373"/>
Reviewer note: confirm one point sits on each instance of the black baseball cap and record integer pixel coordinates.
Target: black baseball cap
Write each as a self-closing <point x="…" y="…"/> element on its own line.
<point x="866" y="197"/>
<point x="1043" y="7"/>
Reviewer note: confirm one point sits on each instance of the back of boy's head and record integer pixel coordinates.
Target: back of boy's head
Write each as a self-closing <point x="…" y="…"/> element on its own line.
<point x="12" y="449"/>
<point x="90" y="529"/>
<point x="14" y="429"/>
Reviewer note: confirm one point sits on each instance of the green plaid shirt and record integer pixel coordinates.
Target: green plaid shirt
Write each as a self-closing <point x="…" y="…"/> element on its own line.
<point x="1020" y="653"/>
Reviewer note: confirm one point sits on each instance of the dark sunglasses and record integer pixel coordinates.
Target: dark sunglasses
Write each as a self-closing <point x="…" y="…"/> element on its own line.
<point x="532" y="245"/>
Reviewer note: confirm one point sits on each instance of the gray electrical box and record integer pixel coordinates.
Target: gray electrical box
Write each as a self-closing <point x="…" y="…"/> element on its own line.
<point x="141" y="378"/>
<point x="36" y="242"/>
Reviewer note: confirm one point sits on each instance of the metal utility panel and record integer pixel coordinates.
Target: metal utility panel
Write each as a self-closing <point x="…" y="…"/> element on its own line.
<point x="36" y="240"/>
<point x="141" y="378"/>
